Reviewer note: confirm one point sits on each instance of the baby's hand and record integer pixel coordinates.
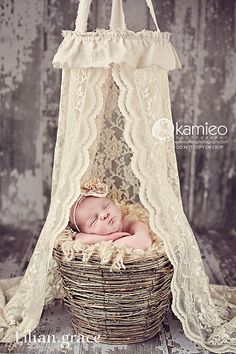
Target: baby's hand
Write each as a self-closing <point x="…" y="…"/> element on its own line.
<point x="140" y="239"/>
<point x="116" y="235"/>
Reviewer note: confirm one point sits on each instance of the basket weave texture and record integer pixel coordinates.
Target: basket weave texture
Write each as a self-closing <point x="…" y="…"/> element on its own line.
<point x="122" y="307"/>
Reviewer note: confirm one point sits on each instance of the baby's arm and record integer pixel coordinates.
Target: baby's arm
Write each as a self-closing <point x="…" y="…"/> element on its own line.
<point x="139" y="237"/>
<point x="93" y="238"/>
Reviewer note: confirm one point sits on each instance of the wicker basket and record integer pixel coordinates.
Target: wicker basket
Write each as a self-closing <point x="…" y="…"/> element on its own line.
<point x="121" y="307"/>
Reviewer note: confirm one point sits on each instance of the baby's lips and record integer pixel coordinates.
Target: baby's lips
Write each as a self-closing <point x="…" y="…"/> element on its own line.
<point x="110" y="220"/>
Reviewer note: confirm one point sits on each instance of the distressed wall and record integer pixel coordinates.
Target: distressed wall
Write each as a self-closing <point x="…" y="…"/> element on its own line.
<point x="203" y="33"/>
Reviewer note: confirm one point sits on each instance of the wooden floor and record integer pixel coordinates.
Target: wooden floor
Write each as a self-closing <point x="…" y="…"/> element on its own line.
<point x="16" y="247"/>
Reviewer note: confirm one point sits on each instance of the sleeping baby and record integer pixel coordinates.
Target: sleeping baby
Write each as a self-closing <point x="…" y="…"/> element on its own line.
<point x="96" y="218"/>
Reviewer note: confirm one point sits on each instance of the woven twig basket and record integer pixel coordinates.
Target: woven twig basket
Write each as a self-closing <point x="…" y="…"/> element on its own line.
<point x="122" y="307"/>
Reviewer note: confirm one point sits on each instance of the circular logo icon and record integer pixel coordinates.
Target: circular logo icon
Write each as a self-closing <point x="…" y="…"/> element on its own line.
<point x="163" y="129"/>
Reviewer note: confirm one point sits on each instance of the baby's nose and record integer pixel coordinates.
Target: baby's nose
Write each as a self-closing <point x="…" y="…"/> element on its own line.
<point x="104" y="215"/>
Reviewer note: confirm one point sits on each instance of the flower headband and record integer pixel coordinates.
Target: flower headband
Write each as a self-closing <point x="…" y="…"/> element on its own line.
<point x="93" y="188"/>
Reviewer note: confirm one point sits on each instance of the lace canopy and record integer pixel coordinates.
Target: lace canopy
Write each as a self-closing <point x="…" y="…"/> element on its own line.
<point x="114" y="91"/>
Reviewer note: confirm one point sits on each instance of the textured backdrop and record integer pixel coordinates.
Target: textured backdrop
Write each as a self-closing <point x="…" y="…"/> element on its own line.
<point x="203" y="33"/>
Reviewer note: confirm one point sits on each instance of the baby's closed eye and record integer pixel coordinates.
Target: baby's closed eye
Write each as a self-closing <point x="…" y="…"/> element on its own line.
<point x="94" y="219"/>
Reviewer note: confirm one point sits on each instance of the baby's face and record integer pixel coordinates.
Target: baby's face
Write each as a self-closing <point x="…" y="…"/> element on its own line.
<point x="99" y="216"/>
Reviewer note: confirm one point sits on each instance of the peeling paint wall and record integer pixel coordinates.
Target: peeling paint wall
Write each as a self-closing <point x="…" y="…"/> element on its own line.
<point x="30" y="89"/>
<point x="21" y="140"/>
<point x="205" y="91"/>
<point x="203" y="33"/>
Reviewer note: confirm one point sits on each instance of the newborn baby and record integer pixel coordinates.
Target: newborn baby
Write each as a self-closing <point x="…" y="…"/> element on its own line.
<point x="99" y="219"/>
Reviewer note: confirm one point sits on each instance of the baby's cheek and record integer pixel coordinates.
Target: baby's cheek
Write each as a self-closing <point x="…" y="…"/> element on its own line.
<point x="116" y="211"/>
<point x="86" y="229"/>
<point x="102" y="229"/>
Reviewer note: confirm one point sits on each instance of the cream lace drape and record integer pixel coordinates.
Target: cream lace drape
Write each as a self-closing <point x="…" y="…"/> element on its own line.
<point x="105" y="123"/>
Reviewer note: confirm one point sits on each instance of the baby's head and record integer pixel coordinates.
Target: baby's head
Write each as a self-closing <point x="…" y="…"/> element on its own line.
<point x="96" y="215"/>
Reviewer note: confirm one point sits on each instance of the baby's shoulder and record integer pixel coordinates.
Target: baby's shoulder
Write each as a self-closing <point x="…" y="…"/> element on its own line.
<point x="127" y="223"/>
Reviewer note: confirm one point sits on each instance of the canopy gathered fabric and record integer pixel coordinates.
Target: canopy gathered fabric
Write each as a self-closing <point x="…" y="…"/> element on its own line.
<point x="114" y="90"/>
